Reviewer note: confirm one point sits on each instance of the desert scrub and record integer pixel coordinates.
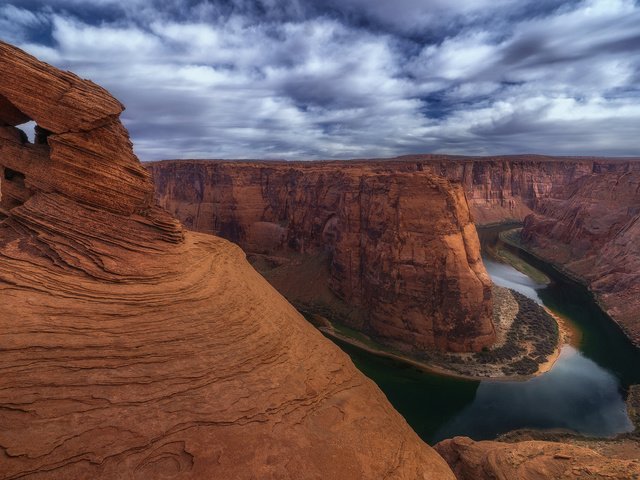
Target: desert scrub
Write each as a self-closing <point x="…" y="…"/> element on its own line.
<point x="532" y="338"/>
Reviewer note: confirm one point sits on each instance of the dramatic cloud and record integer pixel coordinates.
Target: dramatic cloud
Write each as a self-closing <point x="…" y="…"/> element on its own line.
<point x="352" y="78"/>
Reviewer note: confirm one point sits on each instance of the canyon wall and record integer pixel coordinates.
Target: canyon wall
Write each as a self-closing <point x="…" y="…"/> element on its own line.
<point x="508" y="188"/>
<point x="592" y="230"/>
<point x="581" y="212"/>
<point x="133" y="349"/>
<point x="402" y="251"/>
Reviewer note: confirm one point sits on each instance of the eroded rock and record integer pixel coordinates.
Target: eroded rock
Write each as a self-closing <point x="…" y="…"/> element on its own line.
<point x="403" y="252"/>
<point x="532" y="460"/>
<point x="132" y="349"/>
<point x="592" y="231"/>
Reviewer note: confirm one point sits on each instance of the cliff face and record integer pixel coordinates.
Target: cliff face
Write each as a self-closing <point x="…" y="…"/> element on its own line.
<point x="581" y="214"/>
<point x="583" y="217"/>
<point x="503" y="189"/>
<point x="592" y="230"/>
<point x="508" y="188"/>
<point x="132" y="349"/>
<point x="403" y="252"/>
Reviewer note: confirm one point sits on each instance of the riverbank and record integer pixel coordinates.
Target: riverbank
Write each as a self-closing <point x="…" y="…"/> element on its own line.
<point x="581" y="392"/>
<point x="512" y="238"/>
<point x="529" y="342"/>
<point x="504" y="255"/>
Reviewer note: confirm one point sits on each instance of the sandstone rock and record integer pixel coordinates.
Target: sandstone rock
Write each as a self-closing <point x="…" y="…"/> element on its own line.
<point x="131" y="349"/>
<point x="508" y="188"/>
<point x="592" y="231"/>
<point x="498" y="189"/>
<point x="531" y="460"/>
<point x="403" y="248"/>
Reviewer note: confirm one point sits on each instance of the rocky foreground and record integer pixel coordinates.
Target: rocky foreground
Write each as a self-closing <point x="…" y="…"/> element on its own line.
<point x="534" y="460"/>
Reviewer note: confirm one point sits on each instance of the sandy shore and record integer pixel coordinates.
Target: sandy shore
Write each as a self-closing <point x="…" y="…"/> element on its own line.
<point x="426" y="367"/>
<point x="568" y="335"/>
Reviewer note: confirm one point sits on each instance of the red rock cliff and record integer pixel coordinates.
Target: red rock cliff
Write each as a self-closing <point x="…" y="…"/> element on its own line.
<point x="592" y="230"/>
<point x="404" y="253"/>
<point x="538" y="460"/>
<point x="131" y="349"/>
<point x="584" y="210"/>
<point x="508" y="188"/>
<point x="582" y="214"/>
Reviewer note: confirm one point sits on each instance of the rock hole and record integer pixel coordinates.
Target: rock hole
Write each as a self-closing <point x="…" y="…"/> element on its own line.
<point x="29" y="130"/>
<point x="13" y="175"/>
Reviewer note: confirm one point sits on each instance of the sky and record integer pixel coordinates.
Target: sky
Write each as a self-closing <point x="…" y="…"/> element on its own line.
<point x="309" y="79"/>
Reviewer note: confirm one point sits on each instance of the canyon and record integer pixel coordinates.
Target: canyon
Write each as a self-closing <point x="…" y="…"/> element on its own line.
<point x="578" y="212"/>
<point x="591" y="231"/>
<point x="135" y="348"/>
<point x="132" y="348"/>
<point x="396" y="254"/>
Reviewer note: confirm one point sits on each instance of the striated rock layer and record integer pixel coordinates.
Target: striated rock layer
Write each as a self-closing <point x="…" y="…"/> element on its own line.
<point x="498" y="189"/>
<point x="508" y="188"/>
<point x="582" y="211"/>
<point x="403" y="252"/>
<point x="132" y="349"/>
<point x="592" y="230"/>
<point x="532" y="460"/>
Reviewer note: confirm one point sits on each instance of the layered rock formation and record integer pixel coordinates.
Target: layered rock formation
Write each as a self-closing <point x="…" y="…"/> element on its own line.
<point x="402" y="251"/>
<point x="498" y="190"/>
<point x="592" y="231"/>
<point x="133" y="349"/>
<point x="532" y="460"/>
<point x="508" y="188"/>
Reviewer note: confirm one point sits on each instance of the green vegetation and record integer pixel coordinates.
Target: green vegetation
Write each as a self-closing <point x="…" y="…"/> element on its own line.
<point x="512" y="236"/>
<point x="532" y="327"/>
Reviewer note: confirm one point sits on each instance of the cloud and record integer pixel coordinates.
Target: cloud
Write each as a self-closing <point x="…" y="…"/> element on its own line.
<point x="302" y="79"/>
<point x="15" y="22"/>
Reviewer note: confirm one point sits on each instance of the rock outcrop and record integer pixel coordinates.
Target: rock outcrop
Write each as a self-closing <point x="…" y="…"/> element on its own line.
<point x="532" y="460"/>
<point x="592" y="231"/>
<point x="133" y="349"/>
<point x="402" y="252"/>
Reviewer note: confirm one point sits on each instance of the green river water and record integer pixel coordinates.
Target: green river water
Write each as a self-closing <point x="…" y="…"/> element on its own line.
<point x="583" y="392"/>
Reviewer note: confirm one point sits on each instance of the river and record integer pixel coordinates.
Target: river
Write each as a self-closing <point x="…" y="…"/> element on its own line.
<point x="583" y="392"/>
